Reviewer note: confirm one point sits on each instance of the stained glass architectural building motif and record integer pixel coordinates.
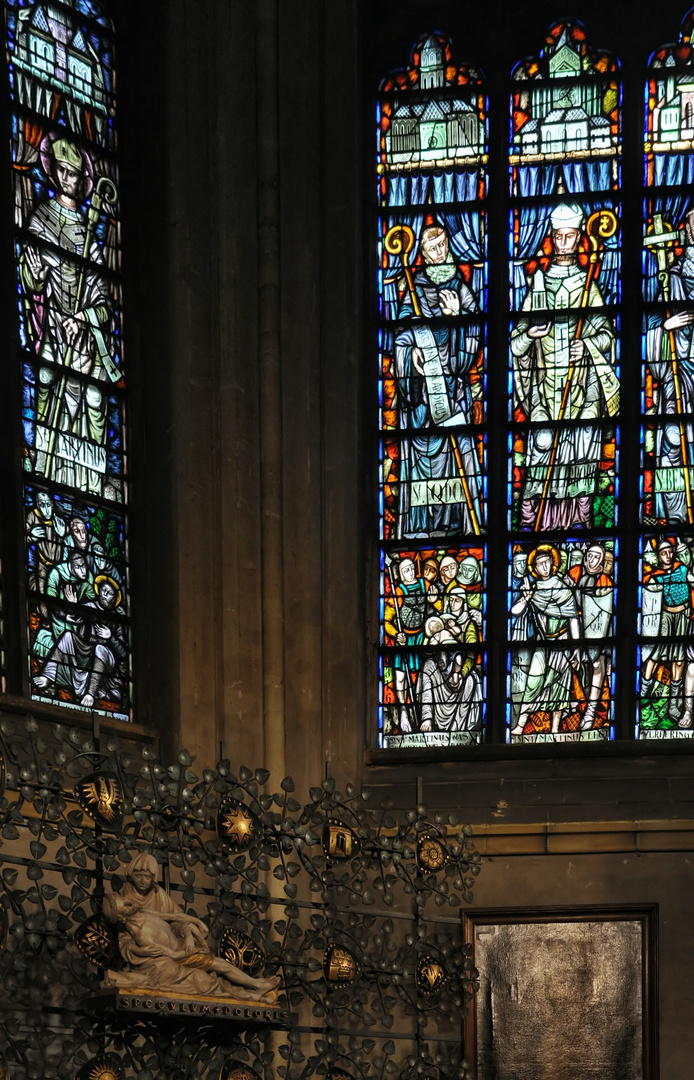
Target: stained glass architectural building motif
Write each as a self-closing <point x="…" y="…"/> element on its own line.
<point x="564" y="336"/>
<point x="67" y="250"/>
<point x="665" y="682"/>
<point x="431" y="162"/>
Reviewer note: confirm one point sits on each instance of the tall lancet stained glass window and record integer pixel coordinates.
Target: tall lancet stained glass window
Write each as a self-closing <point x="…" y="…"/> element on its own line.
<point x="666" y="651"/>
<point x="565" y="240"/>
<point x="67" y="249"/>
<point x="432" y="275"/>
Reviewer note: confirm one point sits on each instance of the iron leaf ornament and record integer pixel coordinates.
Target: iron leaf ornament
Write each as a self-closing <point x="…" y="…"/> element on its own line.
<point x="335" y="892"/>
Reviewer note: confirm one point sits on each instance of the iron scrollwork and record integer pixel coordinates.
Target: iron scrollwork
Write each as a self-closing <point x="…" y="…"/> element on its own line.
<point x="339" y="896"/>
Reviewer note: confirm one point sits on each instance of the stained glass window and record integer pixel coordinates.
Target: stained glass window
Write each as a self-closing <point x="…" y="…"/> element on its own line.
<point x="563" y="389"/>
<point x="666" y="650"/>
<point x="432" y="180"/>
<point x="570" y="611"/>
<point x="67" y="250"/>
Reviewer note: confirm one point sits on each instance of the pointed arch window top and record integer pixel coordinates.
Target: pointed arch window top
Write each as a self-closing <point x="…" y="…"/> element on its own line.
<point x="574" y="114"/>
<point x="440" y="124"/>
<point x="566" y="54"/>
<point x="680" y="54"/>
<point x="54" y="45"/>
<point x="432" y="67"/>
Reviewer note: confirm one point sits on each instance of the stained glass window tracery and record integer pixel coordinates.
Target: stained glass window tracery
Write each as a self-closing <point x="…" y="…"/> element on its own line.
<point x="432" y="181"/>
<point x="67" y="253"/>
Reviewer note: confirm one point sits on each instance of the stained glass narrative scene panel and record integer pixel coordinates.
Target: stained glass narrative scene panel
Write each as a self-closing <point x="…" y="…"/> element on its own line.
<point x="666" y="652"/>
<point x="65" y="182"/>
<point x="431" y="234"/>
<point x="433" y="605"/>
<point x="665" y="684"/>
<point x="561" y="623"/>
<point x="564" y="338"/>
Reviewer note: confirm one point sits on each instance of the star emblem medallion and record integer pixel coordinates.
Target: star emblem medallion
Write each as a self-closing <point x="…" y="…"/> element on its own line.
<point x="238" y="826"/>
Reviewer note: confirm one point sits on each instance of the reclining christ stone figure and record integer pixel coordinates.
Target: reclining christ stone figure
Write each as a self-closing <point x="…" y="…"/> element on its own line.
<point x="166" y="950"/>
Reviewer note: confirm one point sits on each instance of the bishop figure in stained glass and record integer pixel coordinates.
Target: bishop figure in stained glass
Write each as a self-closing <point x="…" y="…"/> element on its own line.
<point x="433" y="364"/>
<point x="564" y="370"/>
<point x="71" y="323"/>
